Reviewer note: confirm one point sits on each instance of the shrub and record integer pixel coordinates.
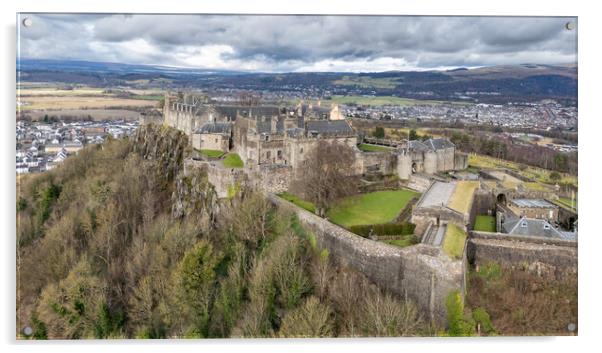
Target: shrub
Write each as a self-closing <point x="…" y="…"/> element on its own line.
<point x="384" y="229"/>
<point x="457" y="324"/>
<point x="311" y="319"/>
<point x="481" y="318"/>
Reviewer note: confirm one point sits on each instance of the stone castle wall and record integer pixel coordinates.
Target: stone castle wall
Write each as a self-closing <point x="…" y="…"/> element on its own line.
<point x="553" y="257"/>
<point x="420" y="272"/>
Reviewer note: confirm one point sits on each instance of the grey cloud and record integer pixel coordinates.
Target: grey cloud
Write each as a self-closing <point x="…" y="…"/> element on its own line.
<point x="289" y="42"/>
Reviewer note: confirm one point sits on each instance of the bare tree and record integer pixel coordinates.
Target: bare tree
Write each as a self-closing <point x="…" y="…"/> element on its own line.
<point x="328" y="174"/>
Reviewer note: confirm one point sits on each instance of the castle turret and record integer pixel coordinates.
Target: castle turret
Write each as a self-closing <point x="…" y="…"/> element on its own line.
<point x="404" y="165"/>
<point x="430" y="162"/>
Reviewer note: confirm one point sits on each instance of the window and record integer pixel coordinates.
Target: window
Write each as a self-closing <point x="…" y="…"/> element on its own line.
<point x="523" y="224"/>
<point x="267" y="155"/>
<point x="267" y="137"/>
<point x="301" y="150"/>
<point x="279" y="153"/>
<point x="546" y="226"/>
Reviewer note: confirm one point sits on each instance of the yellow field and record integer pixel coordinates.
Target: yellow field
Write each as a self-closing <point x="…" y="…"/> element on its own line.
<point x="78" y="102"/>
<point x="462" y="196"/>
<point x="48" y="91"/>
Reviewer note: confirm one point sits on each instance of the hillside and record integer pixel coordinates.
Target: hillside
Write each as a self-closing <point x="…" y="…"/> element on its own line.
<point x="498" y="84"/>
<point x="113" y="244"/>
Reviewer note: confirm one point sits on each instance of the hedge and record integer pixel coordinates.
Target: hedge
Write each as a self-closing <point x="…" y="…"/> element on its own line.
<point x="384" y="229"/>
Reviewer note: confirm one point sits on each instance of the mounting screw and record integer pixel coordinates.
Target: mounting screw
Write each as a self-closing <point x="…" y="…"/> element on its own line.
<point x="27" y="22"/>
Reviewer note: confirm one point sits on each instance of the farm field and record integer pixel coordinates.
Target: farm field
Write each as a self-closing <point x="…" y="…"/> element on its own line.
<point x="94" y="114"/>
<point x="371" y="208"/>
<point x="79" y="102"/>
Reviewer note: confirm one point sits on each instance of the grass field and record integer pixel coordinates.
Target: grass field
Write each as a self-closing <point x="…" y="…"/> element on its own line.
<point x="371" y="208"/>
<point x="95" y="114"/>
<point x="212" y="153"/>
<point x="538" y="174"/>
<point x="364" y="81"/>
<point x="373" y="148"/>
<point x="453" y="244"/>
<point x="484" y="223"/>
<point x="298" y="201"/>
<point x="79" y="102"/>
<point x="462" y="196"/>
<point x="233" y="160"/>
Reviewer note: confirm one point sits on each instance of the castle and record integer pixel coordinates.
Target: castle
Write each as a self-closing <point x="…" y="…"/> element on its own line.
<point x="273" y="137"/>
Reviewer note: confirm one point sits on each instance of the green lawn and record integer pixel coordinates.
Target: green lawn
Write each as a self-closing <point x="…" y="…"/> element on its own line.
<point x="453" y="244"/>
<point x="403" y="242"/>
<point x="211" y="153"/>
<point x="484" y="223"/>
<point x="298" y="201"/>
<point x="373" y="148"/>
<point x="233" y="160"/>
<point x="567" y="202"/>
<point x="371" y="208"/>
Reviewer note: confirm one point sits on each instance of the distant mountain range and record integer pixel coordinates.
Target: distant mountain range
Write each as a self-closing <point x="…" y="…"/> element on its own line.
<point x="496" y="84"/>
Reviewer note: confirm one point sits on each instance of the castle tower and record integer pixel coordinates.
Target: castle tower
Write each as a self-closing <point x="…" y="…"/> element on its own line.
<point x="404" y="165"/>
<point x="430" y="162"/>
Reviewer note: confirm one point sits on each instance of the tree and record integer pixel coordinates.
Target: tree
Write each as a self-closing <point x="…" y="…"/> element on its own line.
<point x="379" y="132"/>
<point x="329" y="174"/>
<point x="194" y="282"/>
<point x="413" y="135"/>
<point x="311" y="319"/>
<point x="555" y="176"/>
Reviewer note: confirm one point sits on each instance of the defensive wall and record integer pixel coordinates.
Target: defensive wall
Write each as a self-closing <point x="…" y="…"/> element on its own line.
<point x="554" y="257"/>
<point x="420" y="272"/>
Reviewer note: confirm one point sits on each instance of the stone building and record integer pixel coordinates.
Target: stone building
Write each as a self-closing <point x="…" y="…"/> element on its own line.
<point x="213" y="136"/>
<point x="284" y="136"/>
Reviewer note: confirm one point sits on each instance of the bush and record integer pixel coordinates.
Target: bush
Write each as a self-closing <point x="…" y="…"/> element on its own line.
<point x="384" y="229"/>
<point x="457" y="324"/>
<point x="311" y="319"/>
<point x="481" y="318"/>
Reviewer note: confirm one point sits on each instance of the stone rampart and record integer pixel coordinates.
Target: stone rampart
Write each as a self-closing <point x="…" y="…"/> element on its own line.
<point x="420" y="272"/>
<point x="554" y="257"/>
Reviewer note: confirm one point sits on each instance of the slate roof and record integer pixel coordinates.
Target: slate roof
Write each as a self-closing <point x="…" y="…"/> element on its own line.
<point x="215" y="128"/>
<point x="439" y="143"/>
<point x="531" y="227"/>
<point x="295" y="132"/>
<point x="418" y="146"/>
<point x="329" y="127"/>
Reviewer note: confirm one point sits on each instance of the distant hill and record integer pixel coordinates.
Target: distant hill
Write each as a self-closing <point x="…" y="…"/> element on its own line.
<point x="495" y="84"/>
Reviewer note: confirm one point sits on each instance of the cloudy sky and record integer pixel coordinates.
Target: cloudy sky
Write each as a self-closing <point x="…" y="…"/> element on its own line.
<point x="300" y="43"/>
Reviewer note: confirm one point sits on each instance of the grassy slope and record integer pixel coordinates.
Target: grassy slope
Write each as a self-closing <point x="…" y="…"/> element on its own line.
<point x="298" y="201"/>
<point x="233" y="160"/>
<point x="462" y="196"/>
<point x="538" y="174"/>
<point x="453" y="244"/>
<point x="373" y="148"/>
<point x="372" y="208"/>
<point x="212" y="153"/>
<point x="484" y="223"/>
